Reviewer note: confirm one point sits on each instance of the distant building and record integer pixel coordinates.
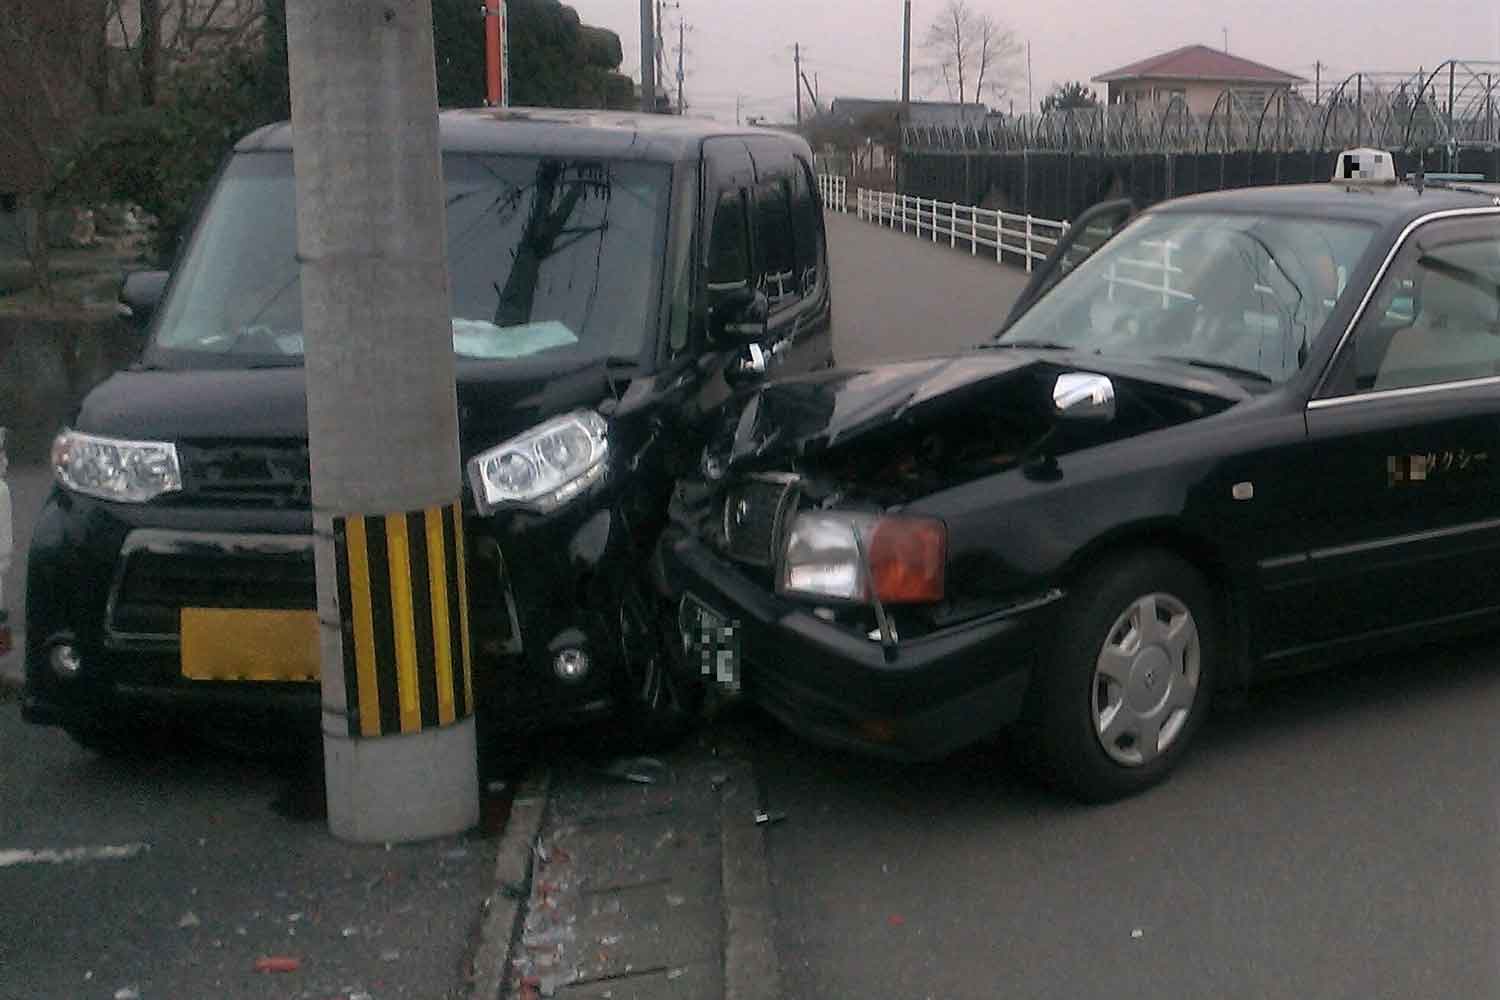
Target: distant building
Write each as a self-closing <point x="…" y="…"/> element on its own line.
<point x="1198" y="75"/>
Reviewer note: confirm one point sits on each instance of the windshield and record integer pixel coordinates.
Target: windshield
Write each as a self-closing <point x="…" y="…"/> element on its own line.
<point x="1244" y="293"/>
<point x="544" y="255"/>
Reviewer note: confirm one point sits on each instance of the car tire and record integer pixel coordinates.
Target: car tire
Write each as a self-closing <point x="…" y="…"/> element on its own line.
<point x="661" y="702"/>
<point x="1131" y="676"/>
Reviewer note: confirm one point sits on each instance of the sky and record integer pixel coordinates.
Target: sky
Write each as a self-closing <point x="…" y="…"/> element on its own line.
<point x="744" y="48"/>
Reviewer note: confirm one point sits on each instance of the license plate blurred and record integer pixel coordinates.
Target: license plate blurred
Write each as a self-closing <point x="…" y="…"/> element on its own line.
<point x="237" y="645"/>
<point x="713" y="638"/>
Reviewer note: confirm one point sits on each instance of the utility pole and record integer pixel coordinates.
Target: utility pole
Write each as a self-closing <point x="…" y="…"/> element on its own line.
<point x="397" y="695"/>
<point x="1030" y="97"/>
<point x="905" y="96"/>
<point x="496" y="65"/>
<point x="739" y="107"/>
<point x="681" y="43"/>
<point x="797" y="57"/>
<point x="1226" y="39"/>
<point x="906" y="63"/>
<point x="1318" y="82"/>
<point x="648" y="59"/>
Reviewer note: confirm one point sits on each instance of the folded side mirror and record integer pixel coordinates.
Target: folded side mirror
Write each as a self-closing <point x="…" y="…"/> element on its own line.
<point x="140" y="294"/>
<point x="1084" y="396"/>
<point x="739" y="316"/>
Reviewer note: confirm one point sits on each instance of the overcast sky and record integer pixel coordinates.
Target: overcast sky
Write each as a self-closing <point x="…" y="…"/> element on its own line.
<point x="744" y="47"/>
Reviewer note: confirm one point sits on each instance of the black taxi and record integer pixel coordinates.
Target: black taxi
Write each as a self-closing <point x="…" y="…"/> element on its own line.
<point x="1236" y="434"/>
<point x="612" y="277"/>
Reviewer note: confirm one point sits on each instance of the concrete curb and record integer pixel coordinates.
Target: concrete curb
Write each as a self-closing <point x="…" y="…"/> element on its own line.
<point x="512" y="888"/>
<point x="752" y="970"/>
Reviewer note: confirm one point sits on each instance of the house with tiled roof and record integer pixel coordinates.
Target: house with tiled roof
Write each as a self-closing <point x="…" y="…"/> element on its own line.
<point x="1198" y="75"/>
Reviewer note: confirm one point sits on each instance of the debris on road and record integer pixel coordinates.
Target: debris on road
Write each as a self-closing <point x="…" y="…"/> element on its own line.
<point x="277" y="963"/>
<point x="188" y="919"/>
<point x="896" y="920"/>
<point x="74" y="855"/>
<point x="638" y="770"/>
<point x="127" y="993"/>
<point x="766" y="817"/>
<point x="1137" y="934"/>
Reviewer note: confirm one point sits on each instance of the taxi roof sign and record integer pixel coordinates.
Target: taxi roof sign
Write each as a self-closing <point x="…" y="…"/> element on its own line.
<point x="1364" y="166"/>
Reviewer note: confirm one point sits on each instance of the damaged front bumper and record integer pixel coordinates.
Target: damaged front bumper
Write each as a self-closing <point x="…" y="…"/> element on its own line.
<point x="919" y="700"/>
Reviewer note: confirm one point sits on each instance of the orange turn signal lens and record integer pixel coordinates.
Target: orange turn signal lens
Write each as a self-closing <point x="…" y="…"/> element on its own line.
<point x="907" y="557"/>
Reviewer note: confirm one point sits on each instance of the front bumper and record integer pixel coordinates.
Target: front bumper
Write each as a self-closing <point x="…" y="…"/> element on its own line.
<point x="935" y="694"/>
<point x="533" y="583"/>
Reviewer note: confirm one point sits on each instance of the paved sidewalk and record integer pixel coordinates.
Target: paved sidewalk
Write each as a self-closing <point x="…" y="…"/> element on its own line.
<point x="649" y="882"/>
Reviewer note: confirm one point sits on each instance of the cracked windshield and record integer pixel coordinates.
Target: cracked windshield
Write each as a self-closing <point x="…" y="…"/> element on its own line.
<point x="692" y="500"/>
<point x="542" y="257"/>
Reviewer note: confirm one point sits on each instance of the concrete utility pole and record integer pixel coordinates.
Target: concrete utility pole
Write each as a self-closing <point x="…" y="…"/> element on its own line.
<point x="797" y="58"/>
<point x="681" y="43"/>
<point x="398" y="726"/>
<point x="648" y="58"/>
<point x="905" y="97"/>
<point x="906" y="63"/>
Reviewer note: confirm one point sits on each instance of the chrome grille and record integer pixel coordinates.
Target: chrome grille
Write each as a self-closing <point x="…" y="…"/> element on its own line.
<point x="754" y="512"/>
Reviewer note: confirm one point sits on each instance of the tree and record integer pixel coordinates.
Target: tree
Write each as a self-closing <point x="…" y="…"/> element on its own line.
<point x="970" y="53"/>
<point x="45" y="103"/>
<point x="1072" y="96"/>
<point x="556" y="59"/>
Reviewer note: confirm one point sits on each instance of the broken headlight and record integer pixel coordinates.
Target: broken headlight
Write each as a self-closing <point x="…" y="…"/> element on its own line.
<point x="860" y="557"/>
<point x="543" y="468"/>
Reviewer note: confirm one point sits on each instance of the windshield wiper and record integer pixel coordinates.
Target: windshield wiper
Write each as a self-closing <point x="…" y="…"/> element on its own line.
<point x="1031" y="345"/>
<point x="1235" y="370"/>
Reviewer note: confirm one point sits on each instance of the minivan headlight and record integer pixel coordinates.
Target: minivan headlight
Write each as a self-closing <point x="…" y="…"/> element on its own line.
<point x="112" y="469"/>
<point x="543" y="468"/>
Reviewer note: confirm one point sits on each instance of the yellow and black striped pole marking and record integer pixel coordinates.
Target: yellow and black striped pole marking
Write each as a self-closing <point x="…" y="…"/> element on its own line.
<point x="405" y="611"/>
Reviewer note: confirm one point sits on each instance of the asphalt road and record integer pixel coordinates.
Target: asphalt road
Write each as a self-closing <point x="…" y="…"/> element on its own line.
<point x="1335" y="838"/>
<point x="895" y="296"/>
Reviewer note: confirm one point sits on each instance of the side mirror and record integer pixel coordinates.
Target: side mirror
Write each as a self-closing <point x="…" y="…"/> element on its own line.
<point x="739" y="316"/>
<point x="140" y="294"/>
<point x="1084" y="396"/>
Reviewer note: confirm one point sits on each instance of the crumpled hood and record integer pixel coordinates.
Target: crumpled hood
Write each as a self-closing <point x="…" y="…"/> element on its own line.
<point x="801" y="416"/>
<point x="809" y="414"/>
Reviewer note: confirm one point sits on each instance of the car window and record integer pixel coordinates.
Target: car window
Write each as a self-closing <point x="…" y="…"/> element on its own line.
<point x="545" y="256"/>
<point x="775" y="257"/>
<point x="729" y="245"/>
<point x="1436" y="316"/>
<point x="1244" y="291"/>
<point x="805" y="231"/>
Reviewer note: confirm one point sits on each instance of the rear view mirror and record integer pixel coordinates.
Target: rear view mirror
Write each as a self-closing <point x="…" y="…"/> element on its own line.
<point x="1084" y="396"/>
<point x="140" y="294"/>
<point x="739" y="316"/>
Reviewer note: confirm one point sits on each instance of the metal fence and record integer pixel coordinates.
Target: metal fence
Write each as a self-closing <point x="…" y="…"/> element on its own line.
<point x="1026" y="238"/>
<point x="835" y="192"/>
<point x="1449" y="108"/>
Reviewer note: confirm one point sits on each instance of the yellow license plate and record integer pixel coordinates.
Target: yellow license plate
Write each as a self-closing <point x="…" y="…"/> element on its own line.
<point x="237" y="645"/>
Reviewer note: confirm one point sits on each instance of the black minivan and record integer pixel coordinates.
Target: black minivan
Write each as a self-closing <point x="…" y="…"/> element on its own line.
<point x="618" y="275"/>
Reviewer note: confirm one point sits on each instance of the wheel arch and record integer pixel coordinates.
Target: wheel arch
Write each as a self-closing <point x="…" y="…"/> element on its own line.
<point x="1205" y="555"/>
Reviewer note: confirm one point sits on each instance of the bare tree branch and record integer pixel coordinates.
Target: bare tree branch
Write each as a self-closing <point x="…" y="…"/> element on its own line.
<point x="969" y="52"/>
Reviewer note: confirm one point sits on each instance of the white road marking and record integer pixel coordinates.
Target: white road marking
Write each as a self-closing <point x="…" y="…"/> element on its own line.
<point x="69" y="855"/>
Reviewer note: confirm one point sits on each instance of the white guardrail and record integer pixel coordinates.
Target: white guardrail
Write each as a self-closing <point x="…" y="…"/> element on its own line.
<point x="1026" y="238"/>
<point x="834" y="189"/>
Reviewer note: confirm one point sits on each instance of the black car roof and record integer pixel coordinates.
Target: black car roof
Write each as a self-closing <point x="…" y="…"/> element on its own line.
<point x="608" y="134"/>
<point x="1382" y="204"/>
